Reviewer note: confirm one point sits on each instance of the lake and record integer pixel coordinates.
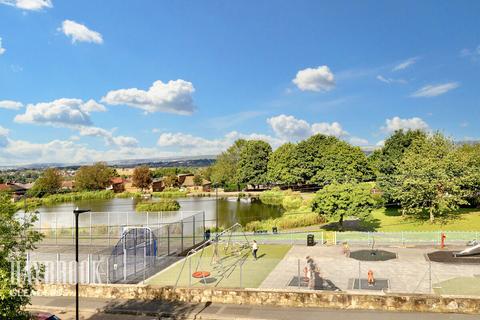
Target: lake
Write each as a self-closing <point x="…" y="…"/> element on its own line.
<point x="122" y="211"/>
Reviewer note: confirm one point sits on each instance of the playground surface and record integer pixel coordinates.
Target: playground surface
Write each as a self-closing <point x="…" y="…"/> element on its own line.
<point x="410" y="272"/>
<point x="235" y="268"/>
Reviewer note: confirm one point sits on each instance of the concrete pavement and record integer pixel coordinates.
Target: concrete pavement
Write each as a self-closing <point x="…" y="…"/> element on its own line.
<point x="105" y="309"/>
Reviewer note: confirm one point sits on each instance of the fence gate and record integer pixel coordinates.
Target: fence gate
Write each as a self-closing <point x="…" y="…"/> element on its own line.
<point x="133" y="255"/>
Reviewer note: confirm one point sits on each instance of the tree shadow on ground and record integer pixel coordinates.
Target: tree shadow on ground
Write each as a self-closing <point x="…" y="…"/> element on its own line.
<point x="353" y="225"/>
<point x="155" y="308"/>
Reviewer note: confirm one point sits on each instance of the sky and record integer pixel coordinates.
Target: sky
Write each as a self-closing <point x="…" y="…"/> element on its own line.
<point x="84" y="81"/>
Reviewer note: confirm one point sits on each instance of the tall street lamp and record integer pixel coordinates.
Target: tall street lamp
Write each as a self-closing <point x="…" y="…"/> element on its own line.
<point x="77" y="212"/>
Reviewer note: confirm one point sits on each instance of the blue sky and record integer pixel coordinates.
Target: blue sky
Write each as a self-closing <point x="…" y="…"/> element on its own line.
<point x="90" y="80"/>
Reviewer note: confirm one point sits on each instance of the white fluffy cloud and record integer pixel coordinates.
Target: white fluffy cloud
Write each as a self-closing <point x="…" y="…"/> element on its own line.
<point x="60" y="112"/>
<point x="69" y="151"/>
<point x="291" y="128"/>
<point x="405" y="64"/>
<point x="79" y="32"/>
<point x="397" y="123"/>
<point x="11" y="105"/>
<point x="33" y="5"/>
<point x="110" y="139"/>
<point x="175" y="96"/>
<point x="194" y="145"/>
<point x="435" y="90"/>
<point x="2" y="49"/>
<point x="358" y="141"/>
<point x="315" y="79"/>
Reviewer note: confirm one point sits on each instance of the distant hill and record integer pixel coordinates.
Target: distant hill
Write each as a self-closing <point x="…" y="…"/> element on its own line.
<point x="196" y="161"/>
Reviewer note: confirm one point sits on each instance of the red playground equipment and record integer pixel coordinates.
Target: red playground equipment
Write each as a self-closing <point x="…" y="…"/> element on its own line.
<point x="443" y="240"/>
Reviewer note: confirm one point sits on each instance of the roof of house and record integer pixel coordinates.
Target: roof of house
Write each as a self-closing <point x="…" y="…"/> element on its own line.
<point x="188" y="182"/>
<point x="11" y="187"/>
<point x="117" y="180"/>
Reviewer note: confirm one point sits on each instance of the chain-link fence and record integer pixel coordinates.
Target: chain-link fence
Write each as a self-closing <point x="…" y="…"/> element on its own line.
<point x="433" y="238"/>
<point x="119" y="252"/>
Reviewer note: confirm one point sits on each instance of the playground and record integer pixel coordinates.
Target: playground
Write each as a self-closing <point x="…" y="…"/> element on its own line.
<point x="232" y="268"/>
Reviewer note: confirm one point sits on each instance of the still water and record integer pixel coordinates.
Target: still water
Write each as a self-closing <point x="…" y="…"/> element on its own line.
<point x="230" y="211"/>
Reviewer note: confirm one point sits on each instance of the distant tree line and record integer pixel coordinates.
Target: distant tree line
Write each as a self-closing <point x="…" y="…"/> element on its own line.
<point x="427" y="175"/>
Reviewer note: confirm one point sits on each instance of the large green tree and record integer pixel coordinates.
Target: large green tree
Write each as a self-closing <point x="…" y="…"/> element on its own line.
<point x="386" y="160"/>
<point x="429" y="179"/>
<point x="324" y="159"/>
<point x="337" y="200"/>
<point x="469" y="156"/>
<point x="224" y="170"/>
<point x="16" y="239"/>
<point x="49" y="182"/>
<point x="281" y="165"/>
<point x="253" y="163"/>
<point x="94" y="177"/>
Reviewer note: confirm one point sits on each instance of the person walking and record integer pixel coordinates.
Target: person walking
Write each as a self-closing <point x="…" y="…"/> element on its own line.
<point x="254" y="249"/>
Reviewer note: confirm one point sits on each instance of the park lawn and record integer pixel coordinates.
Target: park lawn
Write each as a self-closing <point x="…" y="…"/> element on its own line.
<point x="465" y="286"/>
<point x="390" y="220"/>
<point x="226" y="273"/>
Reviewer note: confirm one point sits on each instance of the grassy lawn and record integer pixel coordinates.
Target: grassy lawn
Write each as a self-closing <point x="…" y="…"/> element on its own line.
<point x="390" y="220"/>
<point x="465" y="286"/>
<point x="226" y="271"/>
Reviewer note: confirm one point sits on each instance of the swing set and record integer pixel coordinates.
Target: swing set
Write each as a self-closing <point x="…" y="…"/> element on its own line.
<point x="231" y="248"/>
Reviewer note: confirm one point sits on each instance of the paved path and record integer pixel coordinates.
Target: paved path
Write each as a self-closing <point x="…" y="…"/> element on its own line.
<point x="409" y="273"/>
<point x="92" y="309"/>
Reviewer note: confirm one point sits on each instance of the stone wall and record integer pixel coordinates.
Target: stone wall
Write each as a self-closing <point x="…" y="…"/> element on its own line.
<point x="340" y="300"/>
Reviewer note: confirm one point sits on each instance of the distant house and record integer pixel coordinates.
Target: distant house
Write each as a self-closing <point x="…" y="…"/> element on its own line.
<point x="186" y="181"/>
<point x="158" y="185"/>
<point x="68" y="185"/>
<point x="17" y="190"/>
<point x="117" y="184"/>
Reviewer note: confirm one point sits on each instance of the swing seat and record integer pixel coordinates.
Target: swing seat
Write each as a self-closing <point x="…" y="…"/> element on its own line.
<point x="200" y="274"/>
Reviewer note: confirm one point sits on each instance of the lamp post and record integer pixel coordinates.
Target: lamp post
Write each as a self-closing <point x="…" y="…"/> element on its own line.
<point x="77" y="212"/>
<point x="216" y="208"/>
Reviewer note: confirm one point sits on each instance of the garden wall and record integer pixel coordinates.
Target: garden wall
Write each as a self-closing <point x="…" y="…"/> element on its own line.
<point x="338" y="300"/>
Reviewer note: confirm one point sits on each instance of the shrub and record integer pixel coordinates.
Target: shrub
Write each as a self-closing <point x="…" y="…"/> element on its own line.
<point x="127" y="194"/>
<point x="156" y="206"/>
<point x="287" y="221"/>
<point x="76" y="196"/>
<point x="170" y="193"/>
<point x="273" y="197"/>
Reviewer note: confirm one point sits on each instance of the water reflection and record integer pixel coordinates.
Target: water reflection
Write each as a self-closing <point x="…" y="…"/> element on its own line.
<point x="230" y="211"/>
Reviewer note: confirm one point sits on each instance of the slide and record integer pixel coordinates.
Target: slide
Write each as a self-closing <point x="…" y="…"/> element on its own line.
<point x="469" y="251"/>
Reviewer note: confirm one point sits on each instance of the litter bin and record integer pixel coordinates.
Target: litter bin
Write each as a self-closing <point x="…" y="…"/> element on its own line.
<point x="310" y="240"/>
<point x="274" y="230"/>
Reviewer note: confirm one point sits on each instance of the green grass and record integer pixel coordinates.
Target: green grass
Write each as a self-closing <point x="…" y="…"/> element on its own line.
<point x="465" y="286"/>
<point x="157" y="206"/>
<point x="390" y="220"/>
<point x="253" y="272"/>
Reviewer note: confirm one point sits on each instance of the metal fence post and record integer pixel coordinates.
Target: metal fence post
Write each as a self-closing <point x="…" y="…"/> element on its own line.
<point x="108" y="228"/>
<point x="168" y="239"/>
<point x="90" y="217"/>
<point x="298" y="273"/>
<point x="89" y="269"/>
<point x="430" y="276"/>
<point x="241" y="274"/>
<point x="56" y="229"/>
<point x="181" y="227"/>
<point x="57" y="268"/>
<point x="108" y="270"/>
<point x="193" y="229"/>
<point x="359" y="276"/>
<point x="190" y="271"/>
